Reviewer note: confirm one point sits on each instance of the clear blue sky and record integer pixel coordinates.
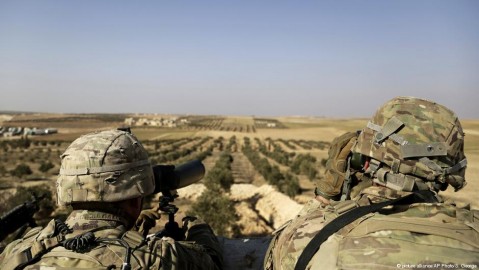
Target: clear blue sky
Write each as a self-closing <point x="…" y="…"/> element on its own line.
<point x="322" y="58"/>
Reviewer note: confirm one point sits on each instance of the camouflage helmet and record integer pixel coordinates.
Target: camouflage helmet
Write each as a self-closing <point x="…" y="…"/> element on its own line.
<point x="414" y="144"/>
<point x="105" y="166"/>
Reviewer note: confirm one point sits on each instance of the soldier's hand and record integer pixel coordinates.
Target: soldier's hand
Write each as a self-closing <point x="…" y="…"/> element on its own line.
<point x="147" y="220"/>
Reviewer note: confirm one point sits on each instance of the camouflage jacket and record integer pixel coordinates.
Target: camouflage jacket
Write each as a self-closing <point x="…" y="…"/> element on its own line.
<point x="201" y="249"/>
<point x="434" y="235"/>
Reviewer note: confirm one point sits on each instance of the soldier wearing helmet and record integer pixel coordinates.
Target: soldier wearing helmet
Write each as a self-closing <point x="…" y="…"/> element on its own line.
<point x="378" y="207"/>
<point x="103" y="177"/>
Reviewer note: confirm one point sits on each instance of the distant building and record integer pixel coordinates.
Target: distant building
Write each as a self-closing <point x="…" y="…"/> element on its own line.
<point x="16" y="131"/>
<point x="156" y="122"/>
<point x="28" y="131"/>
<point x="129" y="121"/>
<point x="21" y="131"/>
<point x="44" y="131"/>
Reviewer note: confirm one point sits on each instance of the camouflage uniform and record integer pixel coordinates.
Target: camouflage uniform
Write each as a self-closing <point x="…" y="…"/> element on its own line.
<point x="104" y="168"/>
<point x="420" y="233"/>
<point x="197" y="252"/>
<point x="410" y="146"/>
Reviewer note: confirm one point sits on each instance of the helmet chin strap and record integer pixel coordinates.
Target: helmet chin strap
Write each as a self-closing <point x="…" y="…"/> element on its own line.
<point x="346" y="192"/>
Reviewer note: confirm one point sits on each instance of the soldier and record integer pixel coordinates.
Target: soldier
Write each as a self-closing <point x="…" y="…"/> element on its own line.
<point x="378" y="206"/>
<point x="104" y="177"/>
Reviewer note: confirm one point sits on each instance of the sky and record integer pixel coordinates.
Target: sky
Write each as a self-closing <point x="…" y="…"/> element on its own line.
<point x="269" y="58"/>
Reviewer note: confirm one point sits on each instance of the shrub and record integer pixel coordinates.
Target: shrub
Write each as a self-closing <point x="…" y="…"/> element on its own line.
<point x="305" y="164"/>
<point x="215" y="209"/>
<point x="46" y="166"/>
<point x="290" y="185"/>
<point x="220" y="175"/>
<point x="21" y="170"/>
<point x="201" y="156"/>
<point x="213" y="206"/>
<point x="25" y="142"/>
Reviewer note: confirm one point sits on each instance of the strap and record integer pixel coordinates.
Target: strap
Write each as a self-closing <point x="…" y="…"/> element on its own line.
<point x="439" y="170"/>
<point x="395" y="165"/>
<point x="374" y="166"/>
<point x="36" y="250"/>
<point x="396" y="181"/>
<point x="388" y="131"/>
<point x="461" y="164"/>
<point x="347" y="182"/>
<point x="111" y="168"/>
<point x="391" y="126"/>
<point x="432" y="149"/>
<point x="134" y="239"/>
<point x="336" y="224"/>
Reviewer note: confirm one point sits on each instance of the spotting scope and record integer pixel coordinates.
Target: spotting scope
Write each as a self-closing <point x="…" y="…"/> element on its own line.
<point x="171" y="177"/>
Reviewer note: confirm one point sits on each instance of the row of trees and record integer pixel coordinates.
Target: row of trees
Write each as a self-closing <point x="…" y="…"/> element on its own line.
<point x="219" y="124"/>
<point x="310" y="144"/>
<point x="25" y="143"/>
<point x="305" y="164"/>
<point x="178" y="150"/>
<point x="23" y="169"/>
<point x="275" y="152"/>
<point x="299" y="164"/>
<point x="169" y="144"/>
<point x="206" y="153"/>
<point x="165" y="156"/>
<point x="286" y="183"/>
<point x="232" y="146"/>
<point x="288" y="144"/>
<point x="163" y="147"/>
<point x="213" y="206"/>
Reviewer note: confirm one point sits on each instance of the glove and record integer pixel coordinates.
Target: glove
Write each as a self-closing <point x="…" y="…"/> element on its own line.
<point x="147" y="220"/>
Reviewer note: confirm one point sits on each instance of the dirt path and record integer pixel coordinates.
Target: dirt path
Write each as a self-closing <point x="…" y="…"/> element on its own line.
<point x="242" y="170"/>
<point x="210" y="161"/>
